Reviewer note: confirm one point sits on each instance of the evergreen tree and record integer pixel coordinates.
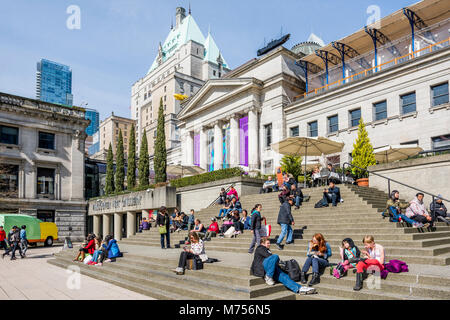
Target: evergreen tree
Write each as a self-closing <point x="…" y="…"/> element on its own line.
<point x="362" y="153"/>
<point x="109" y="184"/>
<point x="120" y="164"/>
<point x="160" y="159"/>
<point x="131" y="168"/>
<point x="143" y="167"/>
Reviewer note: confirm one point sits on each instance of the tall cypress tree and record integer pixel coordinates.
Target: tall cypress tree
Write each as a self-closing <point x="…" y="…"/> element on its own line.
<point x="131" y="168"/>
<point x="143" y="167"/>
<point x="109" y="184"/>
<point x="160" y="159"/>
<point x="362" y="154"/>
<point x="120" y="164"/>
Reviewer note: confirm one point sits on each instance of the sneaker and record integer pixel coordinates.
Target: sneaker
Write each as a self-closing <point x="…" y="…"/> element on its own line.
<point x="13" y="258"/>
<point x="417" y="225"/>
<point x="279" y="247"/>
<point x="98" y="264"/>
<point x="306" y="290"/>
<point x="269" y="280"/>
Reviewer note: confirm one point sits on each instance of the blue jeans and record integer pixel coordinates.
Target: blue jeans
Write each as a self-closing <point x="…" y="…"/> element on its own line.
<point x="95" y="255"/>
<point x="330" y="197"/>
<point x="223" y="212"/>
<point x="285" y="229"/>
<point x="298" y="201"/>
<point x="273" y="271"/>
<point x="317" y="264"/>
<point x="167" y="235"/>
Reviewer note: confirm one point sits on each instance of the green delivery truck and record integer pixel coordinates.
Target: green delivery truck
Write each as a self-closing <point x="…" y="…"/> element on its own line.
<point x="37" y="230"/>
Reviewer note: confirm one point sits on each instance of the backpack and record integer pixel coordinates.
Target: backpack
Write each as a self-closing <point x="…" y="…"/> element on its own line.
<point x="320" y="204"/>
<point x="293" y="269"/>
<point x="397" y="266"/>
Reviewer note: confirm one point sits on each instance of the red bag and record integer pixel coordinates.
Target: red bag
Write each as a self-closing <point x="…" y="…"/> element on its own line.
<point x="268" y="228"/>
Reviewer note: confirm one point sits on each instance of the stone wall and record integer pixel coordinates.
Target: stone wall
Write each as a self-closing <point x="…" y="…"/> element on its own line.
<point x="430" y="174"/>
<point x="199" y="196"/>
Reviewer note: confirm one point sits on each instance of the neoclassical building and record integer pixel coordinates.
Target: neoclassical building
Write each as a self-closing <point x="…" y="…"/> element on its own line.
<point x="42" y="162"/>
<point x="233" y="121"/>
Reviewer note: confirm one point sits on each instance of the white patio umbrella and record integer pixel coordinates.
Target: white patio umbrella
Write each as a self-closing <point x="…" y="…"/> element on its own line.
<point x="396" y="152"/>
<point x="304" y="146"/>
<point x="182" y="170"/>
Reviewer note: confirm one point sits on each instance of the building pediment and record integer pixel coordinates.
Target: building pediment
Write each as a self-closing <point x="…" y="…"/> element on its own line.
<point x="216" y="91"/>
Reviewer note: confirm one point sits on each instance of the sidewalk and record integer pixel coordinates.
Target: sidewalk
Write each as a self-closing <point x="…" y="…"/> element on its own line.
<point x="33" y="278"/>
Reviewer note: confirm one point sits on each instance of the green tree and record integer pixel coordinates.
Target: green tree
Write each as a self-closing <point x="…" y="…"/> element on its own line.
<point x="131" y="168"/>
<point x="160" y="159"/>
<point x="109" y="184"/>
<point x="120" y="164"/>
<point x="292" y="165"/>
<point x="362" y="153"/>
<point x="143" y="167"/>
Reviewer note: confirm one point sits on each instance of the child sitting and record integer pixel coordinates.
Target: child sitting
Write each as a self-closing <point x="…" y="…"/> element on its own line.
<point x="349" y="257"/>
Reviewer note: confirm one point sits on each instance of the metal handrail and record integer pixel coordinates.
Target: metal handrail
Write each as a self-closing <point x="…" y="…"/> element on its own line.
<point x="433" y="196"/>
<point x="226" y="190"/>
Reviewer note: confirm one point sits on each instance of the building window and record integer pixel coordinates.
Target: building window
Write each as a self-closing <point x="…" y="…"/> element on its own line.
<point x="214" y="72"/>
<point x="9" y="135"/>
<point x="313" y="129"/>
<point x="117" y="124"/>
<point x="46" y="215"/>
<point x="165" y="98"/>
<point x="408" y="103"/>
<point x="9" y="180"/>
<point x="294" y="131"/>
<point x="145" y="96"/>
<point x="268" y="135"/>
<point x="441" y="142"/>
<point x="45" y="181"/>
<point x="355" y="115"/>
<point x="165" y="88"/>
<point x="380" y="110"/>
<point x="220" y="74"/>
<point x="333" y="125"/>
<point x="192" y="88"/>
<point x="439" y="94"/>
<point x="46" y="140"/>
<point x="268" y="167"/>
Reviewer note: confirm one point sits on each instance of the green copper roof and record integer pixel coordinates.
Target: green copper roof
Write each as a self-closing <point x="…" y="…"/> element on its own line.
<point x="212" y="51"/>
<point x="186" y="31"/>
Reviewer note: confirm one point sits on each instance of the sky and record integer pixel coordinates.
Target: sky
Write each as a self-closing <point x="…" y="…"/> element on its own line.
<point x="118" y="39"/>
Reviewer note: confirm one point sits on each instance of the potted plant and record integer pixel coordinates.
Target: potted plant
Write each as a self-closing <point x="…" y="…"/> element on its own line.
<point x="362" y="156"/>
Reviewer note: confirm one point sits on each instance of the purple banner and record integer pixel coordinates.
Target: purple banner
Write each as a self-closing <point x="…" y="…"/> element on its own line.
<point x="243" y="141"/>
<point x="197" y="150"/>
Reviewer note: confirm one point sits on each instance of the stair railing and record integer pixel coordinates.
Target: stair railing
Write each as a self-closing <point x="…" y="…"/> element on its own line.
<point x="389" y="180"/>
<point x="215" y="200"/>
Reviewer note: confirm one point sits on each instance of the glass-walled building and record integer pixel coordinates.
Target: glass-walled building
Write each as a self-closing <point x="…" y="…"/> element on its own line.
<point x="54" y="83"/>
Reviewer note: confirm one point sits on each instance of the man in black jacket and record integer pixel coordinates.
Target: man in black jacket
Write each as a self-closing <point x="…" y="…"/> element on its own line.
<point x="438" y="210"/>
<point x="332" y="194"/>
<point x="297" y="194"/>
<point x="285" y="220"/>
<point x="265" y="264"/>
<point x="14" y="244"/>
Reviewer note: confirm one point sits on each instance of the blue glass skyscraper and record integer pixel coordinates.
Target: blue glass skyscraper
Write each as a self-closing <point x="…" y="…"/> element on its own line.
<point x="94" y="116"/>
<point x="54" y="83"/>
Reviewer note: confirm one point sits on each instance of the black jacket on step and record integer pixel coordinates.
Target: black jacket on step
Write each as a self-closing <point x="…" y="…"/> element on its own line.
<point x="257" y="268"/>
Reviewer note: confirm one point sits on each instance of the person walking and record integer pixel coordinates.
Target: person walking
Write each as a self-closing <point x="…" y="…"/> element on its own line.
<point x="163" y="220"/>
<point x="3" y="239"/>
<point x="255" y="228"/>
<point x="285" y="220"/>
<point x="14" y="244"/>
<point x="23" y="240"/>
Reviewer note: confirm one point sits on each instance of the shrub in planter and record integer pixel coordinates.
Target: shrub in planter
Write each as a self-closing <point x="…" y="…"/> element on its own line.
<point x="362" y="154"/>
<point x="207" y="177"/>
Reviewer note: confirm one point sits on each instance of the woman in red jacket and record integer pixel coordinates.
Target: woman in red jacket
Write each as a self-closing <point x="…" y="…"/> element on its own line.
<point x="2" y="238"/>
<point x="89" y="248"/>
<point x="213" y="229"/>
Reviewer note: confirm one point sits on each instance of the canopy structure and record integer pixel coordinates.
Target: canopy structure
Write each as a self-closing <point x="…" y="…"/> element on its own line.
<point x="396" y="152"/>
<point x="304" y="146"/>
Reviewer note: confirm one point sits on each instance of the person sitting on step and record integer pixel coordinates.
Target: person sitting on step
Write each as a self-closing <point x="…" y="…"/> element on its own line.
<point x="213" y="229"/>
<point x="246" y="221"/>
<point x="265" y="264"/>
<point x="349" y="253"/>
<point x="223" y="212"/>
<point x="438" y="210"/>
<point x="373" y="258"/>
<point x="232" y="193"/>
<point x="238" y="225"/>
<point x="394" y="207"/>
<point x="297" y="194"/>
<point x="235" y="205"/>
<point x="191" y="219"/>
<point x="227" y="223"/>
<point x="269" y="186"/>
<point x="331" y="195"/>
<point x="89" y="248"/>
<point x="178" y="222"/>
<point x="417" y="212"/>
<point x="144" y="225"/>
<point x="319" y="251"/>
<point x="199" y="228"/>
<point x="98" y="246"/>
<point x="196" y="249"/>
<point x="222" y="196"/>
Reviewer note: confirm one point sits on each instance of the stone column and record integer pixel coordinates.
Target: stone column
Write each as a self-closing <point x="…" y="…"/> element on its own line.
<point x="234" y="141"/>
<point x="253" y="141"/>
<point x="189" y="149"/>
<point x="131" y="223"/>
<point x="97" y="225"/>
<point x="203" y="148"/>
<point x="118" y="226"/>
<point x="106" y="224"/>
<point x="218" y="147"/>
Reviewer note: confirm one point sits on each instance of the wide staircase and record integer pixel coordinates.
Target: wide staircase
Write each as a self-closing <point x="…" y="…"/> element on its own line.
<point x="146" y="268"/>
